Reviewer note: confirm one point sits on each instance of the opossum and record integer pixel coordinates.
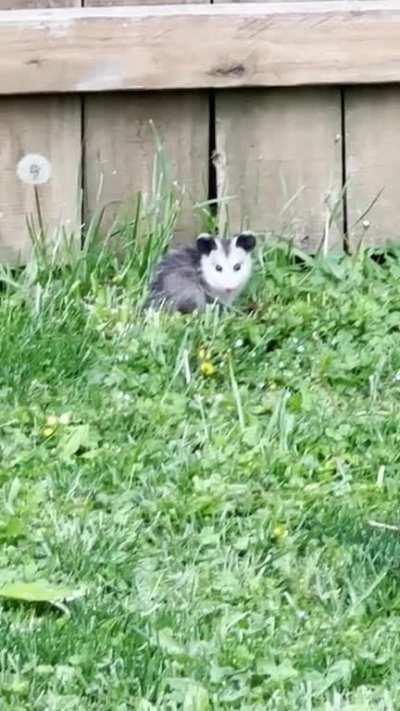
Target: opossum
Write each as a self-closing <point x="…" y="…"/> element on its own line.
<point x="213" y="270"/>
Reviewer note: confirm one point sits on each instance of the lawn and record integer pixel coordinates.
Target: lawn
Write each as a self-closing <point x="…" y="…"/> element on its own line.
<point x="205" y="510"/>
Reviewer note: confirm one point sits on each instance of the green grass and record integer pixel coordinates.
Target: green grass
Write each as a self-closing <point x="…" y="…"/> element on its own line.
<point x="219" y="526"/>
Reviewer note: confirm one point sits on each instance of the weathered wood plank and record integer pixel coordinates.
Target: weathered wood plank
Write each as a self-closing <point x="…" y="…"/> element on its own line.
<point x="291" y="1"/>
<point x="282" y="44"/>
<point x="50" y="127"/>
<point x="28" y="4"/>
<point x="281" y="171"/>
<point x="121" y="146"/>
<point x="130" y="3"/>
<point x="279" y="157"/>
<point x="35" y="4"/>
<point x="372" y="120"/>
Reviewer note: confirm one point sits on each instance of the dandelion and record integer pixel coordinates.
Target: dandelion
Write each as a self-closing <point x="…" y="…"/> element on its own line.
<point x="280" y="532"/>
<point x="34" y="169"/>
<point x="207" y="368"/>
<point x="48" y="432"/>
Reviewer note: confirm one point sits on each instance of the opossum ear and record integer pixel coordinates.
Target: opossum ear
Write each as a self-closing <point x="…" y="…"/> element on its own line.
<point x="246" y="241"/>
<point x="206" y="243"/>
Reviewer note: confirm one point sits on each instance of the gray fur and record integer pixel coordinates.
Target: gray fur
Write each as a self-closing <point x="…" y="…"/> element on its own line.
<point x="177" y="283"/>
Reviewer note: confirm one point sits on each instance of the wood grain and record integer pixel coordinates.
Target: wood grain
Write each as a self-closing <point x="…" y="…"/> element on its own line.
<point x="36" y="4"/>
<point x="120" y="139"/>
<point x="291" y="1"/>
<point x="282" y="44"/>
<point x="372" y="119"/>
<point x="129" y="3"/>
<point x="279" y="158"/>
<point x="50" y="126"/>
<point x="121" y="146"/>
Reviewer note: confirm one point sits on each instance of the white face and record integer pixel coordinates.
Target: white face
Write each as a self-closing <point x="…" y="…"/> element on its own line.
<point x="226" y="272"/>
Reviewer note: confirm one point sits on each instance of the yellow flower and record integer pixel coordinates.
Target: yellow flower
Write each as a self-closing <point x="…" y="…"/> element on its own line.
<point x="52" y="421"/>
<point x="207" y="368"/>
<point x="280" y="532"/>
<point x="48" y="431"/>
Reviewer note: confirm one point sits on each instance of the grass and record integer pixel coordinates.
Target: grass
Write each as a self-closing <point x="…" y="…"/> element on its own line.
<point x="221" y="522"/>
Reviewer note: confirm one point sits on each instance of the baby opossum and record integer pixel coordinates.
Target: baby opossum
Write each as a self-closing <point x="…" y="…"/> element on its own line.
<point x="214" y="269"/>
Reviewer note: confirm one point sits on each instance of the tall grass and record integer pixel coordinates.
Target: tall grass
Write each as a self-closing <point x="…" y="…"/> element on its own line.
<point x="233" y="528"/>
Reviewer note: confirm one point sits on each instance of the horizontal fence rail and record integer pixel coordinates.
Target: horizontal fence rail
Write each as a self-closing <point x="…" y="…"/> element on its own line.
<point x="199" y="46"/>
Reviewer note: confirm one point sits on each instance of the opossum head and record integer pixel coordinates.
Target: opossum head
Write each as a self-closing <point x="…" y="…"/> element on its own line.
<point x="226" y="264"/>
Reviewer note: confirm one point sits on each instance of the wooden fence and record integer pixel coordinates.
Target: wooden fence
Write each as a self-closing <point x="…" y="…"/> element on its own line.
<point x="289" y="101"/>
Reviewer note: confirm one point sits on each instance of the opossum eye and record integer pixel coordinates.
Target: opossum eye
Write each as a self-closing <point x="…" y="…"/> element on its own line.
<point x="237" y="267"/>
<point x="218" y="268"/>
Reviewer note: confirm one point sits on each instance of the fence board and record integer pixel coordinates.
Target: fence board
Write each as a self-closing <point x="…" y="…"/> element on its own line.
<point x="274" y="145"/>
<point x="127" y="3"/>
<point x="120" y="147"/>
<point x="159" y="47"/>
<point x="372" y="119"/>
<point x="36" y="4"/>
<point x="51" y="127"/>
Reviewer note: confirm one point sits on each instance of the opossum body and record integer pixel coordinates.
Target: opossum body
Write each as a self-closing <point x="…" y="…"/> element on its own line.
<point x="214" y="270"/>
